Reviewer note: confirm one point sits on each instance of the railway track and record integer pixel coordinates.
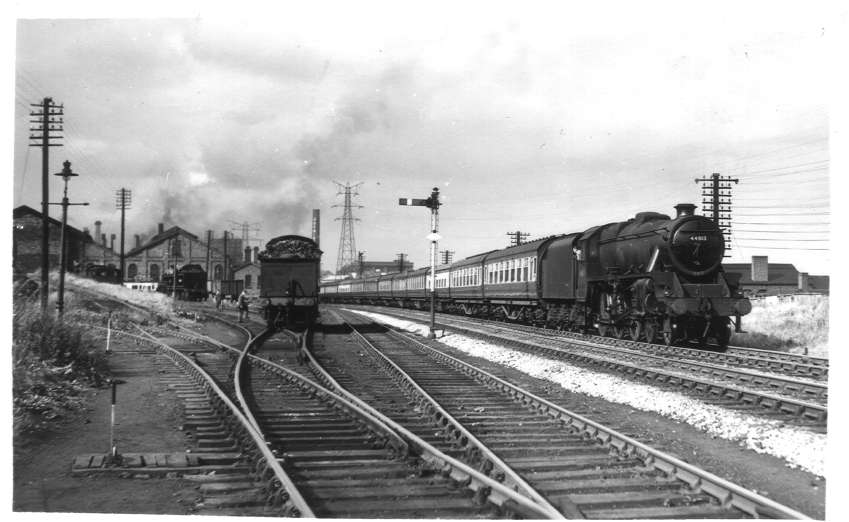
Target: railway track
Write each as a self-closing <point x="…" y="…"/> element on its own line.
<point x="247" y="478"/>
<point x="584" y="469"/>
<point x="349" y="463"/>
<point x="735" y="356"/>
<point x="803" y="400"/>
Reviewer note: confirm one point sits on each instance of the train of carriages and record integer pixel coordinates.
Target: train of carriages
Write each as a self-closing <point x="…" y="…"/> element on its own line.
<point x="649" y="278"/>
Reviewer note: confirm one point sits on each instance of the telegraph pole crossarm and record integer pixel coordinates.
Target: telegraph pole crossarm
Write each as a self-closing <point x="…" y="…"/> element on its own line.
<point x="50" y="121"/>
<point x="433" y="204"/>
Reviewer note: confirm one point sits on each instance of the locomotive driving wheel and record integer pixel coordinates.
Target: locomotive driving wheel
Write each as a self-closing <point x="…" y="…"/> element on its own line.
<point x="668" y="336"/>
<point x="619" y="331"/>
<point x="635" y="329"/>
<point x="651" y="331"/>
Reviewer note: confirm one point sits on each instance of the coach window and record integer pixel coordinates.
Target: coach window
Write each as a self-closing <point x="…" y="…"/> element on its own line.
<point x="525" y="264"/>
<point x="533" y="269"/>
<point x="132" y="271"/>
<point x="154" y="272"/>
<point x="512" y="270"/>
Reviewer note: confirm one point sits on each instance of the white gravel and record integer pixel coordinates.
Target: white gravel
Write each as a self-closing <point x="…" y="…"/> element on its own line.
<point x="799" y="447"/>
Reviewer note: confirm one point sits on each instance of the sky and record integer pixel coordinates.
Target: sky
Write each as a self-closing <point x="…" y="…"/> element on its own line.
<point x="545" y="120"/>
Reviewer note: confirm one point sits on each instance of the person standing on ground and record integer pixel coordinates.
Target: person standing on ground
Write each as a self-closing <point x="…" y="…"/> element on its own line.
<point x="218" y="298"/>
<point x="243" y="306"/>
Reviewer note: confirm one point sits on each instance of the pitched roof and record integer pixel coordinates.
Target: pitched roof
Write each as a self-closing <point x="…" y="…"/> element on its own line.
<point x="171" y="233"/>
<point x="24" y="210"/>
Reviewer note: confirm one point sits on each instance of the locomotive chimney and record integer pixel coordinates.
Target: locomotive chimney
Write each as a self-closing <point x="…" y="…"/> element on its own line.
<point x="97" y="229"/>
<point x="161" y="228"/>
<point x="684" y="209"/>
<point x="804" y="285"/>
<point x="760" y="268"/>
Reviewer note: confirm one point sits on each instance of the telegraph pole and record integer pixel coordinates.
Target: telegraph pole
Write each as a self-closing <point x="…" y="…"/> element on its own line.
<point x="226" y="257"/>
<point x="517" y="237"/>
<point x="447" y="256"/>
<point x="718" y="189"/>
<point x="123" y="200"/>
<point x="433" y="204"/>
<point x="48" y="112"/>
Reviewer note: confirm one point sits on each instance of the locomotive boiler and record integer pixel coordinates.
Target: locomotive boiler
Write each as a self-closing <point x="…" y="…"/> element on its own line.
<point x="289" y="275"/>
<point x="653" y="277"/>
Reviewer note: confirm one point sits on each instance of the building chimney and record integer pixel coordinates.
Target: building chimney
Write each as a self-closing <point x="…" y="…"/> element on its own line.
<point x="684" y="209"/>
<point x="103" y="240"/>
<point x="112" y="242"/>
<point x="760" y="269"/>
<point x="97" y="229"/>
<point x="161" y="228"/>
<point x="256" y="254"/>
<point x="86" y="231"/>
<point x="247" y="254"/>
<point x="138" y="241"/>
<point x="804" y="286"/>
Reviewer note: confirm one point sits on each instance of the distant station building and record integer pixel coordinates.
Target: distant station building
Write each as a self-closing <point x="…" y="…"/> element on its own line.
<point x="374" y="268"/>
<point x="760" y="278"/>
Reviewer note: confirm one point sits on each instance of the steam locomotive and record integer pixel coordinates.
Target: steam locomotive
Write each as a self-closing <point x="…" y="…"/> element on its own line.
<point x="649" y="278"/>
<point x="289" y="275"/>
<point x="190" y="285"/>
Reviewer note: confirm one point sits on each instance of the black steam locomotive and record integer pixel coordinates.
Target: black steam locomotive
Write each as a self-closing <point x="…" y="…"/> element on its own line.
<point x="651" y="277"/>
<point x="289" y="274"/>
<point x="190" y="285"/>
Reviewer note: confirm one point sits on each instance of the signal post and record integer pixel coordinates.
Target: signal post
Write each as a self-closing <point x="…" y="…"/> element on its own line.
<point x="433" y="204"/>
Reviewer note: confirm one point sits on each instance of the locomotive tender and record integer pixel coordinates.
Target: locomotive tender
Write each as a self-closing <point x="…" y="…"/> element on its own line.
<point x="646" y="278"/>
<point x="288" y="277"/>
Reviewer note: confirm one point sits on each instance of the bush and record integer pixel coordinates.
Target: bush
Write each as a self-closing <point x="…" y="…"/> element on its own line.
<point x="787" y="323"/>
<point x="53" y="362"/>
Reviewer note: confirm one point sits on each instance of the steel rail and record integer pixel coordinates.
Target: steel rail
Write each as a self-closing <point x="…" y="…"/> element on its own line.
<point x="728" y="493"/>
<point x="286" y="492"/>
<point x="471" y="444"/>
<point x="482" y="485"/>
<point x="792" y="406"/>
<point x="814" y="411"/>
<point x="813" y="366"/>
<point x="785" y="384"/>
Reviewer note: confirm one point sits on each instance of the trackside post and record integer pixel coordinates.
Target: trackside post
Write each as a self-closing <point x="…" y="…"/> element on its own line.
<point x="433" y="204"/>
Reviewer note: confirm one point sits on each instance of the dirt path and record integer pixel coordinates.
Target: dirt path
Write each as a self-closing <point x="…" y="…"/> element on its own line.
<point x="148" y="419"/>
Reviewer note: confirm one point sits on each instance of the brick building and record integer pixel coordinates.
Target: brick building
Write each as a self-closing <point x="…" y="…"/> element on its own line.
<point x="26" y="242"/>
<point x="148" y="260"/>
<point x="762" y="278"/>
<point x="373" y="268"/>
